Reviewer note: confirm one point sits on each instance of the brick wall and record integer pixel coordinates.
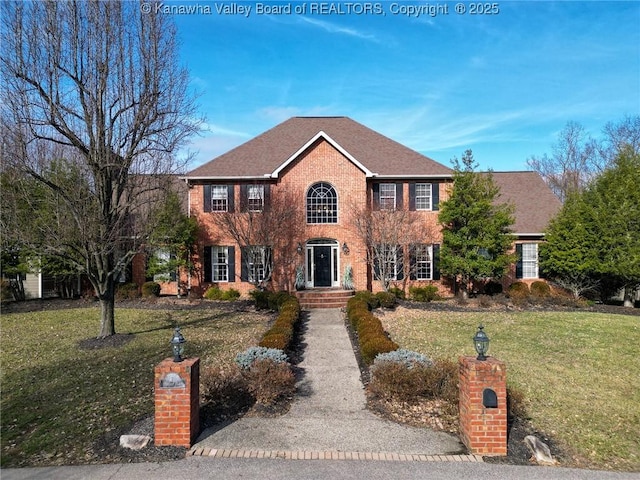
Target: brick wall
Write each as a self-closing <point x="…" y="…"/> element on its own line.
<point x="321" y="162"/>
<point x="177" y="409"/>
<point x="483" y="430"/>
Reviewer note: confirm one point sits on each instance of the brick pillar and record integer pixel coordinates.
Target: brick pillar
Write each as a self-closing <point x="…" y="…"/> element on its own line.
<point x="177" y="400"/>
<point x="483" y="428"/>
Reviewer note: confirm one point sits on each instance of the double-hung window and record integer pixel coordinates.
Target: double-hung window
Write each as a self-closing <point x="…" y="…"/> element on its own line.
<point x="219" y="195"/>
<point x="220" y="264"/>
<point x="387" y="196"/>
<point x="423" y="196"/>
<point x="423" y="263"/>
<point x="529" y="260"/>
<point x="255" y="198"/>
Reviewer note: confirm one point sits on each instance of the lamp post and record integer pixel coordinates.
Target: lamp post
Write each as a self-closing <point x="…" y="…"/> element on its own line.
<point x="481" y="342"/>
<point x="177" y="343"/>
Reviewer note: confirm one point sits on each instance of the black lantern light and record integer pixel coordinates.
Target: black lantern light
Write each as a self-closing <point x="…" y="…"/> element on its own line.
<point x="177" y="343"/>
<point x="299" y="248"/>
<point x="481" y="342"/>
<point x="345" y="248"/>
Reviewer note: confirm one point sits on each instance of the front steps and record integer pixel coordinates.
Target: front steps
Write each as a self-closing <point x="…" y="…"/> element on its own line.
<point x="324" y="298"/>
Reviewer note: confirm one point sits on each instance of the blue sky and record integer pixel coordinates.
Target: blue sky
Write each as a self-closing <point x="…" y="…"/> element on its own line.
<point x="503" y="85"/>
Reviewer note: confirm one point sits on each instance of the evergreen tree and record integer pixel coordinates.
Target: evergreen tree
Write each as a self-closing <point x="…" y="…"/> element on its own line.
<point x="475" y="228"/>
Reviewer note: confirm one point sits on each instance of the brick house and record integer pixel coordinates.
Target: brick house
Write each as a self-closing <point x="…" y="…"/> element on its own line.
<point x="339" y="170"/>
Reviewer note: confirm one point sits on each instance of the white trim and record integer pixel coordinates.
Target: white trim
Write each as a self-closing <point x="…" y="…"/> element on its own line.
<point x="335" y="144"/>
<point x="410" y="177"/>
<point x="227" y="178"/>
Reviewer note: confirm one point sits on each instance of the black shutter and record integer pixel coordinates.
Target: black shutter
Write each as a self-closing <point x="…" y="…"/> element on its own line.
<point x="399" y="262"/>
<point x="244" y="197"/>
<point x="206" y="198"/>
<point x="267" y="196"/>
<point x="231" y="251"/>
<point x="206" y="264"/>
<point x="244" y="270"/>
<point x="436" y="261"/>
<point x="230" y="198"/>
<point x="376" y="196"/>
<point x="376" y="264"/>
<point x="519" y="260"/>
<point x="399" y="195"/>
<point x="435" y="196"/>
<point x="412" y="196"/>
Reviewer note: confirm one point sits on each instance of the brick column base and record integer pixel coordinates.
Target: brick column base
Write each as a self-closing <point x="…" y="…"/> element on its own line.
<point x="483" y="428"/>
<point x="177" y="401"/>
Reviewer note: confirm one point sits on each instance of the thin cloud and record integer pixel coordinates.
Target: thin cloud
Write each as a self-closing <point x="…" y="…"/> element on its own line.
<point x="333" y="28"/>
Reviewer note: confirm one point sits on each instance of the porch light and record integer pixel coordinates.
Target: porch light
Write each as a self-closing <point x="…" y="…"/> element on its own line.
<point x="481" y="342"/>
<point x="177" y="343"/>
<point x="299" y="248"/>
<point x="345" y="248"/>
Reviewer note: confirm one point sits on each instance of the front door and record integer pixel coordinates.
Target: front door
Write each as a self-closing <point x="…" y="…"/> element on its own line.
<point x="322" y="266"/>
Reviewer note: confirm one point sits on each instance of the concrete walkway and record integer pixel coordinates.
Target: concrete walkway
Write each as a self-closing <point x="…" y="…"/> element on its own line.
<point x="328" y="418"/>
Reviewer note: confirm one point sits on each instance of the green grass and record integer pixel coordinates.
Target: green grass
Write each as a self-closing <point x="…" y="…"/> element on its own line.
<point x="579" y="372"/>
<point x="57" y="398"/>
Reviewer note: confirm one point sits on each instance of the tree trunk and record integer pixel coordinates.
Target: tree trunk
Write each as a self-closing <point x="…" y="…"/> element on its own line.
<point x="107" y="308"/>
<point x="628" y="296"/>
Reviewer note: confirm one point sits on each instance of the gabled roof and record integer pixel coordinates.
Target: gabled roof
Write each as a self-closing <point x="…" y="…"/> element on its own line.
<point x="535" y="203"/>
<point x="269" y="153"/>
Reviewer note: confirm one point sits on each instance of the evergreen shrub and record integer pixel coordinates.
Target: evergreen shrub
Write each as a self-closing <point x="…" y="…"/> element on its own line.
<point x="245" y="359"/>
<point x="427" y="293"/>
<point x="398" y="292"/>
<point x="127" y="291"/>
<point x="372" y="339"/>
<point x="540" y="289"/>
<point x="519" y="291"/>
<point x="150" y="289"/>
<point x="386" y="299"/>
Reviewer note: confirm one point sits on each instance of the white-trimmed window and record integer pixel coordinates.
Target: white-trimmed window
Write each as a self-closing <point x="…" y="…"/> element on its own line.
<point x="322" y="203"/>
<point x="255" y="198"/>
<point x="529" y="260"/>
<point x="423" y="255"/>
<point x="219" y="195"/>
<point x="387" y="196"/>
<point x="220" y="264"/>
<point x="388" y="257"/>
<point x="256" y="261"/>
<point x="423" y="196"/>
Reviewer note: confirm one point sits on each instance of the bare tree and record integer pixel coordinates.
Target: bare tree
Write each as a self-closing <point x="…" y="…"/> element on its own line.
<point x="101" y="81"/>
<point x="570" y="168"/>
<point x="391" y="237"/>
<point x="617" y="138"/>
<point x="267" y="229"/>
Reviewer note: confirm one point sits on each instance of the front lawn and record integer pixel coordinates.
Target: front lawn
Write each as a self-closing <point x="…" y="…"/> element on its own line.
<point x="59" y="396"/>
<point x="579" y="371"/>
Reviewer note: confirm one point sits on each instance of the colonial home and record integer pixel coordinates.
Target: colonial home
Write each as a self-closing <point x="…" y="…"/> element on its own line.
<point x="324" y="202"/>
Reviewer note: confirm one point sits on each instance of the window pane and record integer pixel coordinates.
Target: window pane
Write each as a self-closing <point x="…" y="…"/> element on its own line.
<point x="220" y="264"/>
<point x="423" y="262"/>
<point x="255" y="198"/>
<point x="423" y="196"/>
<point x="219" y="198"/>
<point x="322" y="204"/>
<point x="387" y="196"/>
<point x="530" y="260"/>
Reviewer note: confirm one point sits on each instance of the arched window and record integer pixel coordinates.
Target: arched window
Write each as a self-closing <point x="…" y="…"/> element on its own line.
<point x="322" y="203"/>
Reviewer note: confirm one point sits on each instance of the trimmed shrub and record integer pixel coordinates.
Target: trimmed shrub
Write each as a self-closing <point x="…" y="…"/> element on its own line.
<point x="127" y="291"/>
<point x="281" y="333"/>
<point x="398" y="292"/>
<point x="270" y="382"/>
<point x="369" y="298"/>
<point x="150" y="289"/>
<point x="519" y="291"/>
<point x="230" y="294"/>
<point x="245" y="359"/>
<point x="392" y="380"/>
<point x="372" y="339"/>
<point x="261" y="298"/>
<point x="424" y="294"/>
<point x="540" y="289"/>
<point x="386" y="299"/>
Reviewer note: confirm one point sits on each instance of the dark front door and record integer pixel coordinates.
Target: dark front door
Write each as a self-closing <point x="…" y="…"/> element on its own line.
<point x="322" y="266"/>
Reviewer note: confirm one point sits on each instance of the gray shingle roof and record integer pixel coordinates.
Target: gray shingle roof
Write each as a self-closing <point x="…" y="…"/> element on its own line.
<point x="263" y="155"/>
<point x="534" y="201"/>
